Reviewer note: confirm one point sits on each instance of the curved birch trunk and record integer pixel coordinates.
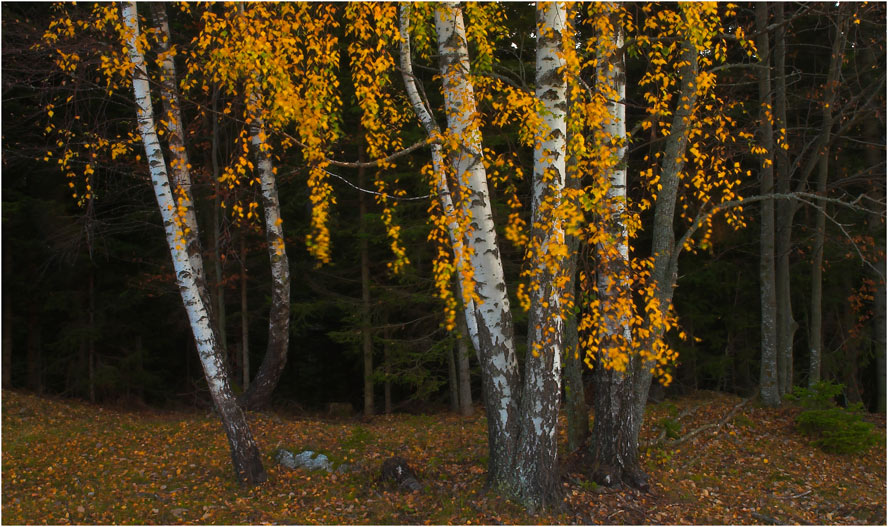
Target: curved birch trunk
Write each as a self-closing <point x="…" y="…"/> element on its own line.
<point x="535" y="474"/>
<point x="260" y="389"/>
<point x="443" y="189"/>
<point x="244" y="452"/>
<point x="180" y="169"/>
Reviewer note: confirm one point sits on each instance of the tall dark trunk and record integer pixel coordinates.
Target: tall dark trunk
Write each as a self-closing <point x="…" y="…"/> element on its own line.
<point x="7" y="325"/>
<point x="217" y="224"/>
<point x="876" y="229"/>
<point x="462" y="363"/>
<point x="815" y="332"/>
<point x="387" y="369"/>
<point x="574" y="358"/>
<point x="452" y="381"/>
<point x="768" y="380"/>
<point x="366" y="335"/>
<point x="786" y="324"/>
<point x="35" y="356"/>
<point x="91" y="340"/>
<point x="245" y="320"/>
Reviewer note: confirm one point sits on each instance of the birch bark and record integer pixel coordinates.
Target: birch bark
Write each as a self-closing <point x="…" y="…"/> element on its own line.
<point x="259" y="392"/>
<point x="615" y="451"/>
<point x="492" y="314"/>
<point x="244" y="452"/>
<point x="536" y="475"/>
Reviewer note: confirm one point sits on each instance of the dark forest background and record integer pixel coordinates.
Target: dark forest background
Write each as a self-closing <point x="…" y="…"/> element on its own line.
<point x="91" y="309"/>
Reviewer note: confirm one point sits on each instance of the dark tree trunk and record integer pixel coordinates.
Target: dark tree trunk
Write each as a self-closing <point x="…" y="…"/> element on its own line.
<point x="615" y="454"/>
<point x="217" y="227"/>
<point x="452" y="382"/>
<point x="463" y="372"/>
<point x="245" y="321"/>
<point x="768" y="380"/>
<point x="815" y="333"/>
<point x="91" y="339"/>
<point x="387" y="365"/>
<point x="366" y="336"/>
<point x="7" y="326"/>
<point x="785" y="209"/>
<point x="35" y="359"/>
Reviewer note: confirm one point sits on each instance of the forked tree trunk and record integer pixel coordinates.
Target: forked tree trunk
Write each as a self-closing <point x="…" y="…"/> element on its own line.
<point x="244" y="452"/>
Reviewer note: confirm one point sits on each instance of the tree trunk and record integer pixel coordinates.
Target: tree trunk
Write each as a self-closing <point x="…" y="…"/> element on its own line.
<point x="768" y="380"/>
<point x="615" y="449"/>
<point x="7" y="326"/>
<point x="876" y="229"/>
<point x="217" y="227"/>
<point x="452" y="382"/>
<point x="35" y="359"/>
<point x="815" y="337"/>
<point x="258" y="394"/>
<point x="387" y="387"/>
<point x="462" y="362"/>
<point x="493" y="317"/>
<point x="245" y="315"/>
<point x="366" y="336"/>
<point x="536" y="462"/>
<point x="244" y="452"/>
<point x="91" y="339"/>
<point x="576" y="410"/>
<point x="180" y="169"/>
<point x="786" y="324"/>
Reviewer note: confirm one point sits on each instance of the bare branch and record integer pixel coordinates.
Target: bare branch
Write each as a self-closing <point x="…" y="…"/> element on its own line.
<point x="804" y="197"/>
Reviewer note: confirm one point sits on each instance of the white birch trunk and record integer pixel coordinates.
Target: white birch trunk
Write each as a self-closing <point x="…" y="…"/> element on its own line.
<point x="260" y="389"/>
<point x="180" y="169"/>
<point x="492" y="314"/>
<point x="616" y="447"/>
<point x="442" y="188"/>
<point x="244" y="452"/>
<point x="536" y="474"/>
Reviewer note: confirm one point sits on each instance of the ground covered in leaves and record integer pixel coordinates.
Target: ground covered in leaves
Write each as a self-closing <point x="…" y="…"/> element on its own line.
<point x="66" y="462"/>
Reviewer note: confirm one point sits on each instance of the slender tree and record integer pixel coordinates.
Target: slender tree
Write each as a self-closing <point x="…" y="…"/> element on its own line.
<point x="244" y="452"/>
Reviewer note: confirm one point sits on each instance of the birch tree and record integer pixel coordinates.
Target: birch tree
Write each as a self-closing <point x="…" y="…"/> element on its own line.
<point x="521" y="437"/>
<point x="244" y="452"/>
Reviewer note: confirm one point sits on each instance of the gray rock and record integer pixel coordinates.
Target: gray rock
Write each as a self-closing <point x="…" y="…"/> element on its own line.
<point x="307" y="459"/>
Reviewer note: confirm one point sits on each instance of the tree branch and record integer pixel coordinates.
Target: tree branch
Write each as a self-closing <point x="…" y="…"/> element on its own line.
<point x="804" y="197"/>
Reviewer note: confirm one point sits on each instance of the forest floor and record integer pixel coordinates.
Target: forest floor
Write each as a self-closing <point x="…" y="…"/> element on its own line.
<point x="68" y="462"/>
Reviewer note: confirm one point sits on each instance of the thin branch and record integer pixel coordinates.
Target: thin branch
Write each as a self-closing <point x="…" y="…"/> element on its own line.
<point x="375" y="193"/>
<point x="703" y="428"/>
<point x="804" y="197"/>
